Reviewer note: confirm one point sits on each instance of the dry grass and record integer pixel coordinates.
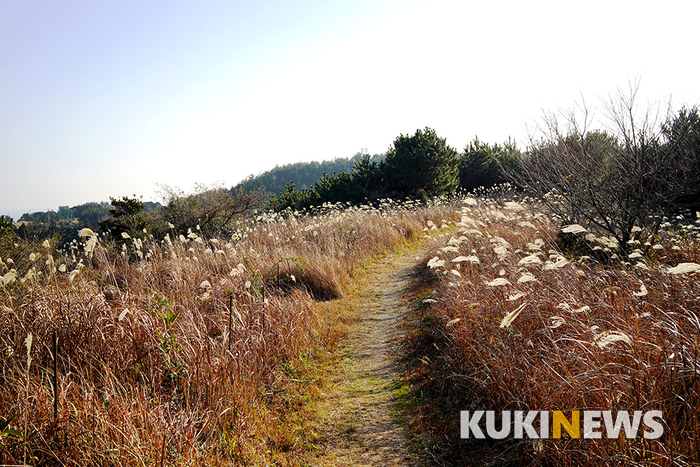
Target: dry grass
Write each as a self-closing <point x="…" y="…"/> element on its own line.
<point x="181" y="351"/>
<point x="473" y="351"/>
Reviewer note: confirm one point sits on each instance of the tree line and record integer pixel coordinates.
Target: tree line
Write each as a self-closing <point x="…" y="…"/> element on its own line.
<point x="49" y="224"/>
<point x="304" y="174"/>
<point x="636" y="173"/>
<point x="626" y="179"/>
<point x="417" y="166"/>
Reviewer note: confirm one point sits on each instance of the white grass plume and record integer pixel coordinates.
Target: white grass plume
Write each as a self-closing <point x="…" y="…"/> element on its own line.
<point x="574" y="229"/>
<point x="510" y="317"/>
<point x="498" y="281"/>
<point x="606" y="338"/>
<point x="685" y="268"/>
<point x="642" y="292"/>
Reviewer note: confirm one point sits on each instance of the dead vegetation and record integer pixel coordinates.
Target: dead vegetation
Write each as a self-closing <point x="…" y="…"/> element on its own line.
<point x="185" y="350"/>
<point x="506" y="321"/>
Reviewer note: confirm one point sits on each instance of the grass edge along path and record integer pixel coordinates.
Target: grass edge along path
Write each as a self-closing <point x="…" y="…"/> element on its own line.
<point x="235" y="404"/>
<point x="352" y="417"/>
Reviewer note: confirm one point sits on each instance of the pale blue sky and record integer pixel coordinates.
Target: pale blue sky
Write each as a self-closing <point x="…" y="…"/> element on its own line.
<point x="102" y="99"/>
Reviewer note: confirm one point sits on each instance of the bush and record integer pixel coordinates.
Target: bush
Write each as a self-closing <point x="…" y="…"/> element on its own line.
<point x="481" y="164"/>
<point x="630" y="176"/>
<point x="418" y="165"/>
<point x="212" y="210"/>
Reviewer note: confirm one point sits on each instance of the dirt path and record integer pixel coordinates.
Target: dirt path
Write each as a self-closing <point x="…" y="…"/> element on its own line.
<point x="360" y="425"/>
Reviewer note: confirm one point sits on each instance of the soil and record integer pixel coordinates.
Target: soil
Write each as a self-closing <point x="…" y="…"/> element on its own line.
<point x="360" y="420"/>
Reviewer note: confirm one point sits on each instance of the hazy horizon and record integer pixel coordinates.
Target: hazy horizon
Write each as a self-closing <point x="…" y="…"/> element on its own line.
<point x="157" y="199"/>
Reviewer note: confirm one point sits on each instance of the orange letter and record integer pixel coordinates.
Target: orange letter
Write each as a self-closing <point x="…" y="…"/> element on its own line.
<point x="559" y="420"/>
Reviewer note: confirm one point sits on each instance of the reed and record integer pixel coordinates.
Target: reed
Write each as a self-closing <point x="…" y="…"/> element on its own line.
<point x="183" y="350"/>
<point x="515" y="323"/>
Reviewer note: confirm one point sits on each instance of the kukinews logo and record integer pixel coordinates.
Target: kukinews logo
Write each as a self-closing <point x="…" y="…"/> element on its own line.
<point x="589" y="424"/>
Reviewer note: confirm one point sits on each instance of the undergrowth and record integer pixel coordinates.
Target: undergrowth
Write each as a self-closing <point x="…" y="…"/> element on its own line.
<point x="504" y="321"/>
<point x="184" y="350"/>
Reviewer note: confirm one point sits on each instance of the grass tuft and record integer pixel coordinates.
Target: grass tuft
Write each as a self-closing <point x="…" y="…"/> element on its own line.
<point x="184" y="350"/>
<point x="532" y="327"/>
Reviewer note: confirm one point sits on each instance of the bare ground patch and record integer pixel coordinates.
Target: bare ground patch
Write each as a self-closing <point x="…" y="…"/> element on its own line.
<point x="357" y="410"/>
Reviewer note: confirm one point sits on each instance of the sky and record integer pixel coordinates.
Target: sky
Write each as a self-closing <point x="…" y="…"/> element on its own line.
<point x="101" y="99"/>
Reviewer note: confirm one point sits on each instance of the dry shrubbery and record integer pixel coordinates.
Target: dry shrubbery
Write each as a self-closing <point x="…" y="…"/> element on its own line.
<point x="588" y="335"/>
<point x="182" y="350"/>
<point x="634" y="172"/>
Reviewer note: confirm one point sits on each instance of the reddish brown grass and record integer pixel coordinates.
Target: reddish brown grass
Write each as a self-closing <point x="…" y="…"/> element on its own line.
<point x="548" y="358"/>
<point x="182" y="351"/>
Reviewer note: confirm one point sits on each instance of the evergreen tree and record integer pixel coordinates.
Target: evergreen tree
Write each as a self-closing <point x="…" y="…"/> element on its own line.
<point x="682" y="143"/>
<point x="366" y="180"/>
<point x="482" y="164"/>
<point x="420" y="165"/>
<point x="128" y="217"/>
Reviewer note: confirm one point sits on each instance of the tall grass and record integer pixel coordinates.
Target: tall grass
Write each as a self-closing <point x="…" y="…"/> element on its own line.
<point x="514" y="324"/>
<point x="182" y="350"/>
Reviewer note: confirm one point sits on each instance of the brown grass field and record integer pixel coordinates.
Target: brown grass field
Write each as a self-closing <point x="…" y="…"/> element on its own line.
<point x="506" y="321"/>
<point x="183" y="350"/>
<point x="202" y="351"/>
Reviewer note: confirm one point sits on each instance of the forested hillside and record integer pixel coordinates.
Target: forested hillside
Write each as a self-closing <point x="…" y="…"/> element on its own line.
<point x="416" y="166"/>
<point x="303" y="174"/>
<point x="64" y="226"/>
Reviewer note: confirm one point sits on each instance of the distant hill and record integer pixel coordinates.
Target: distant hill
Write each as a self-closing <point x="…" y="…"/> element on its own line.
<point x="303" y="174"/>
<point x="65" y="223"/>
<point x="87" y="215"/>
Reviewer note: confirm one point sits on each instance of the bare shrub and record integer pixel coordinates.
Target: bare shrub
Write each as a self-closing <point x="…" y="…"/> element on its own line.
<point x="211" y="209"/>
<point x="627" y="174"/>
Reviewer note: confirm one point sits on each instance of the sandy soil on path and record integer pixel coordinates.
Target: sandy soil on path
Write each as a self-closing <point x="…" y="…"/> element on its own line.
<point x="360" y="428"/>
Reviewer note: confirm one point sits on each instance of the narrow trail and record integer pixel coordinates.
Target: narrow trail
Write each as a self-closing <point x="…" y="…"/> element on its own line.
<point x="360" y="424"/>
